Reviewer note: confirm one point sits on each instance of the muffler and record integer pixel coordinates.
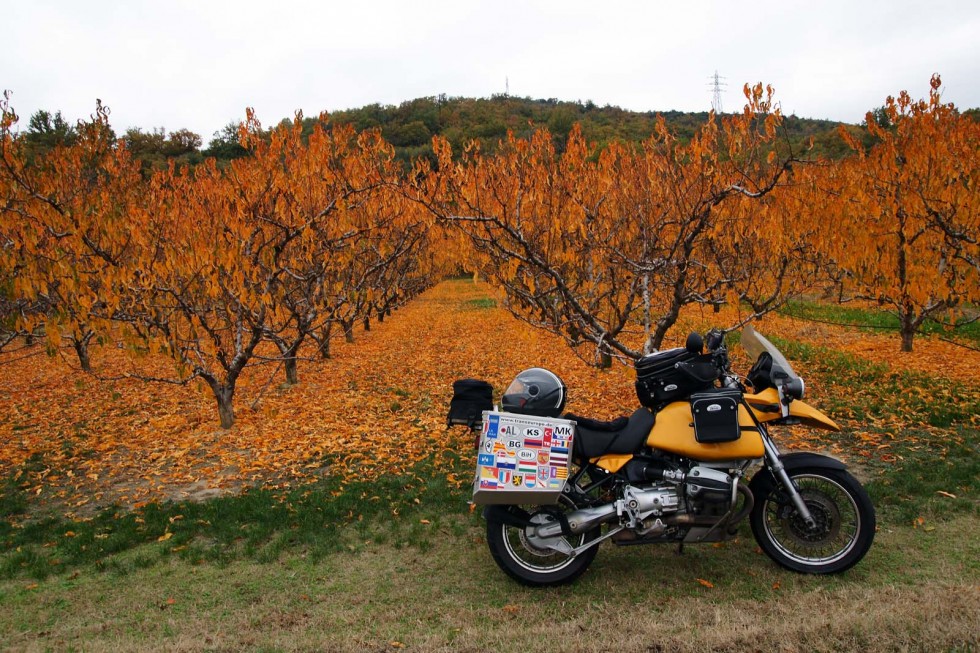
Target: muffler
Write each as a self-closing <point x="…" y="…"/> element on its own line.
<point x="578" y="521"/>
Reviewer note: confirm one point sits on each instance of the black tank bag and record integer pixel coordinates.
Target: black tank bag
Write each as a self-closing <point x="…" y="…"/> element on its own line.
<point x="666" y="376"/>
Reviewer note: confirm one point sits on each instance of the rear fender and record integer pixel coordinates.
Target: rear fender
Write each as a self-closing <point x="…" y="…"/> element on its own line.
<point x="510" y="515"/>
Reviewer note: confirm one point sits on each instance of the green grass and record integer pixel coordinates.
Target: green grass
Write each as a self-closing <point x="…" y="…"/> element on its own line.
<point x="924" y="484"/>
<point x="870" y="319"/>
<point x="914" y="586"/>
<point x="479" y="304"/>
<point x="259" y="524"/>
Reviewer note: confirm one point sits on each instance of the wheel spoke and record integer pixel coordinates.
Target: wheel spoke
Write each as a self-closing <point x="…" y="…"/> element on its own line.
<point x="837" y="520"/>
<point x="536" y="556"/>
<point x="533" y="560"/>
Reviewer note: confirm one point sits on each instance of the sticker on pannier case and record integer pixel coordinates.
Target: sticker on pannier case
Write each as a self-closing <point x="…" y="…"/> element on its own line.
<point x="522" y="459"/>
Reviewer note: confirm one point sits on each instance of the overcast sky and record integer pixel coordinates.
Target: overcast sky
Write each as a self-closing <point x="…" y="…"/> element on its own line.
<point x="198" y="64"/>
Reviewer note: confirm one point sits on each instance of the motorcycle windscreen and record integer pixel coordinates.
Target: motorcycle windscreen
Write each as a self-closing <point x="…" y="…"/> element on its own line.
<point x="674" y="432"/>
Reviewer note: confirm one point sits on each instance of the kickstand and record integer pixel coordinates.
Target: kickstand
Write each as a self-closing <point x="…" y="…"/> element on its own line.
<point x="680" y="548"/>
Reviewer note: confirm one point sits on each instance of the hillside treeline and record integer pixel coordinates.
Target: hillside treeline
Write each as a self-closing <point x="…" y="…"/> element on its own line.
<point x="411" y="125"/>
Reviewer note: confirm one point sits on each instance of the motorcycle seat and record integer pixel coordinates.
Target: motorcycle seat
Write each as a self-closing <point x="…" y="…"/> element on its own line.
<point x="619" y="436"/>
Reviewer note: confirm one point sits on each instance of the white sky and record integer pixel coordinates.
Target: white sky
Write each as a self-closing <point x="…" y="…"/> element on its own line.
<point x="197" y="64"/>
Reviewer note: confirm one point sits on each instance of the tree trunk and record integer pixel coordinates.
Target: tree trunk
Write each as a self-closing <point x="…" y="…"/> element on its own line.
<point x="324" y="340"/>
<point x="292" y="376"/>
<point x="367" y="323"/>
<point x="289" y="360"/>
<point x="226" y="412"/>
<point x="908" y="332"/>
<point x="81" y="349"/>
<point x="348" y="330"/>
<point x="909" y="325"/>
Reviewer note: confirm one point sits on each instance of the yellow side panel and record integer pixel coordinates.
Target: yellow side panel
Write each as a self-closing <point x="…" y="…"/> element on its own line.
<point x="674" y="432"/>
<point x="765" y="405"/>
<point x="612" y="463"/>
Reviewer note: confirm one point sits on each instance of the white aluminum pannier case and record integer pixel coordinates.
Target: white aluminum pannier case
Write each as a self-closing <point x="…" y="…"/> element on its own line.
<point x="522" y="459"/>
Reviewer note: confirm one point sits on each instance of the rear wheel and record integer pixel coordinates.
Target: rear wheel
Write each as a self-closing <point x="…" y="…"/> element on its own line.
<point x="841" y="536"/>
<point x="534" y="561"/>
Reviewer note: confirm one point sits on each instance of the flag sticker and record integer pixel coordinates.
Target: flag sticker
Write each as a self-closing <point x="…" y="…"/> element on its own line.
<point x="522" y="455"/>
<point x="492" y="425"/>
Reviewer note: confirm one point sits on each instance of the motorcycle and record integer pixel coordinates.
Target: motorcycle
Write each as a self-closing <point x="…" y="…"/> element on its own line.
<point x="675" y="471"/>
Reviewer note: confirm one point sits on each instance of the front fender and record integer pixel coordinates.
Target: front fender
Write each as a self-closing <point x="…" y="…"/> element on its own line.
<point x="763" y="482"/>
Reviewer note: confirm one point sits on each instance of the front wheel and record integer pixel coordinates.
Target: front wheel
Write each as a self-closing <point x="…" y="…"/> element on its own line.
<point x="530" y="560"/>
<point x="844" y="516"/>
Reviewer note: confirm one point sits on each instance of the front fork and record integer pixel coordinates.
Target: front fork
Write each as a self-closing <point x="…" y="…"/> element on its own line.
<point x="777" y="469"/>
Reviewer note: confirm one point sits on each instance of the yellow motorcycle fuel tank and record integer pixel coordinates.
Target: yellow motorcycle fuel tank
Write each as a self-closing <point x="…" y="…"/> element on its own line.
<point x="674" y="432"/>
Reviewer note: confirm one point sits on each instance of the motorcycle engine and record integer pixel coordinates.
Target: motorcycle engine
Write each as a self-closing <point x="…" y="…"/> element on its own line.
<point x="707" y="484"/>
<point x="651" y="511"/>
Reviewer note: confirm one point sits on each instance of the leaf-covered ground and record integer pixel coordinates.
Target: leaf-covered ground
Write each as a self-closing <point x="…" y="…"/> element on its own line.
<point x="76" y="442"/>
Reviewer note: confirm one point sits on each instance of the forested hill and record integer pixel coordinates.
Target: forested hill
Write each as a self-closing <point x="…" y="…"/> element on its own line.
<point x="411" y="125"/>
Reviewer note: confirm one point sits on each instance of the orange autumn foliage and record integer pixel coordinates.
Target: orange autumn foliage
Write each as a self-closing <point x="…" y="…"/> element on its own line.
<point x="224" y="282"/>
<point x="605" y="248"/>
<point x="375" y="408"/>
<point x="905" y="214"/>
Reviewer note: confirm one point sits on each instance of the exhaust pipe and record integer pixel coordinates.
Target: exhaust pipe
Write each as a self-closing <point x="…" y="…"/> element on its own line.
<point x="578" y="521"/>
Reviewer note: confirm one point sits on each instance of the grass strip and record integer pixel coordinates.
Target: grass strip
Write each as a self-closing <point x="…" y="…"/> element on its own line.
<point x="871" y="319"/>
<point x="318" y="519"/>
<point x="863" y="389"/>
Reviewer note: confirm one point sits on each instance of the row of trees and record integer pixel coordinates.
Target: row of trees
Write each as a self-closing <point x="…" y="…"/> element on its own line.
<point x="600" y="245"/>
<point x="206" y="265"/>
<point x="223" y="267"/>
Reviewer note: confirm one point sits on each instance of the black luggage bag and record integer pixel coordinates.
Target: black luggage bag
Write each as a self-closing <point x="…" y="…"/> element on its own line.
<point x="470" y="398"/>
<point x="667" y="376"/>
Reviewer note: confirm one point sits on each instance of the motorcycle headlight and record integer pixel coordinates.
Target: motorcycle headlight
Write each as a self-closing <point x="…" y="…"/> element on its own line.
<point x="795" y="388"/>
